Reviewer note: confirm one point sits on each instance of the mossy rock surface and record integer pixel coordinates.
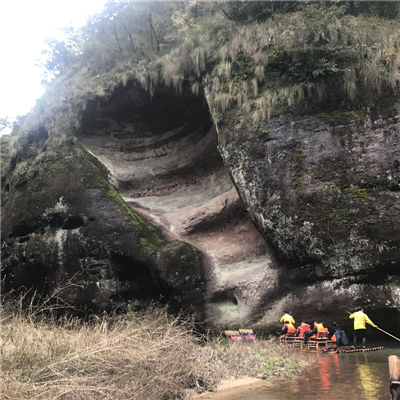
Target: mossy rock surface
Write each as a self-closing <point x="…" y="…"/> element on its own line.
<point x="323" y="188"/>
<point x="63" y="221"/>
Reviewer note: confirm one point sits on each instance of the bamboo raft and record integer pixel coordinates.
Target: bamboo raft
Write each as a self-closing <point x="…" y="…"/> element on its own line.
<point x="313" y="344"/>
<point x="322" y="344"/>
<point x="359" y="350"/>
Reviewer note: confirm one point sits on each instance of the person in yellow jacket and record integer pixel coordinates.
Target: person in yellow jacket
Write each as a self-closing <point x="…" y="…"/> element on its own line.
<point x="360" y="329"/>
<point x="287" y="318"/>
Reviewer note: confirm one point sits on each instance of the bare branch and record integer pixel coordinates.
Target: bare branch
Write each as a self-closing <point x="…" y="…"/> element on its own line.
<point x="116" y="36"/>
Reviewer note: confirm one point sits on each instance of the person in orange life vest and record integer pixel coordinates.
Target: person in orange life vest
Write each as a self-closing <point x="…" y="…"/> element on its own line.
<point x="360" y="329"/>
<point x="287" y="329"/>
<point x="318" y="328"/>
<point x="304" y="327"/>
<point x="338" y="335"/>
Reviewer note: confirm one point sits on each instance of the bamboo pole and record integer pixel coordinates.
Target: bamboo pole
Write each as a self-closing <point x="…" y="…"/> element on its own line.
<point x="387" y="333"/>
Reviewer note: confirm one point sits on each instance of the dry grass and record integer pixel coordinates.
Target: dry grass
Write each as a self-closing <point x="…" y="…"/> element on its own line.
<point x="360" y="51"/>
<point x="140" y="355"/>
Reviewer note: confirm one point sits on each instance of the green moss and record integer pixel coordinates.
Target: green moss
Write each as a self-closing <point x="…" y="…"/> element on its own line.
<point x="369" y="221"/>
<point x="298" y="184"/>
<point x="339" y="216"/>
<point x="148" y="235"/>
<point x="339" y="182"/>
<point x="297" y="169"/>
<point x="340" y="116"/>
<point x="299" y="161"/>
<point x="244" y="122"/>
<point x="144" y="242"/>
<point x="358" y="192"/>
<point x="393" y="225"/>
<point x="5" y="155"/>
<point x="99" y="173"/>
<point x="114" y="195"/>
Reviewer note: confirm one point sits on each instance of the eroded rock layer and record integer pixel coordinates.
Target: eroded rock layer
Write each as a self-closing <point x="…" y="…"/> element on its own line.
<point x="66" y="229"/>
<point x="162" y="155"/>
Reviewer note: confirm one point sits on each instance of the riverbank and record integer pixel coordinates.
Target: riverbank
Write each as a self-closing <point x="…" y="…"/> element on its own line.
<point x="138" y="355"/>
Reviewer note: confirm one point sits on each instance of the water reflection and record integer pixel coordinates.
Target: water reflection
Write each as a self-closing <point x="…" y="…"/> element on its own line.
<point x="324" y="372"/>
<point x="357" y="376"/>
<point x="370" y="382"/>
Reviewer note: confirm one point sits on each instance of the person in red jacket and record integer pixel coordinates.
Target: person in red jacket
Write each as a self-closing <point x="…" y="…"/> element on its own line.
<point x="304" y="327"/>
<point x="318" y="328"/>
<point x="287" y="329"/>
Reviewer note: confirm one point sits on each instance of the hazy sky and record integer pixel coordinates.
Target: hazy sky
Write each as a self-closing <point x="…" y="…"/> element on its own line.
<point x="24" y="27"/>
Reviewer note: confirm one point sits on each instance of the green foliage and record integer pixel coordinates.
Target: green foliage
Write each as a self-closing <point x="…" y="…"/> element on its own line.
<point x="59" y="55"/>
<point x="383" y="9"/>
<point x="270" y="363"/>
<point x="260" y="57"/>
<point x="339" y="216"/>
<point x="340" y="116"/>
<point x="358" y="192"/>
<point x="4" y="123"/>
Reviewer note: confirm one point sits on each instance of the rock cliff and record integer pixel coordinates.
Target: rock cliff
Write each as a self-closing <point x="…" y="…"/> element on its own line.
<point x="64" y="226"/>
<point x="323" y="189"/>
<point x="232" y="197"/>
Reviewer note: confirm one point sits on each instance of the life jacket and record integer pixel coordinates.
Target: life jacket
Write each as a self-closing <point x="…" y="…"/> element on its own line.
<point x="314" y="335"/>
<point x="333" y="338"/>
<point x="321" y="330"/>
<point x="291" y="329"/>
<point x="302" y="329"/>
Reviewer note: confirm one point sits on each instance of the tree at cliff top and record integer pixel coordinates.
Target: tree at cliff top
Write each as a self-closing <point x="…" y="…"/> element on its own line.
<point x="257" y="55"/>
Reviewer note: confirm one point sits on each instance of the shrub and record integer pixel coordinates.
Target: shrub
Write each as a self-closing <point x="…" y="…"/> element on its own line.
<point x="138" y="355"/>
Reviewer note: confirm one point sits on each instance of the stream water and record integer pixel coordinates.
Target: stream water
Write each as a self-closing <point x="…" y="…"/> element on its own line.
<point x="354" y="376"/>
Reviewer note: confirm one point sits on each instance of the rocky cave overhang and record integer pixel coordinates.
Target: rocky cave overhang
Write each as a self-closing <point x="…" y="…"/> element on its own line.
<point x="161" y="152"/>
